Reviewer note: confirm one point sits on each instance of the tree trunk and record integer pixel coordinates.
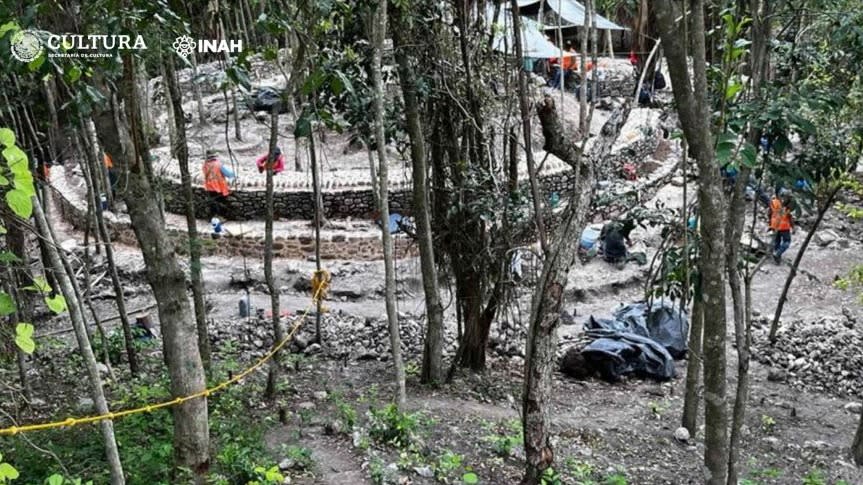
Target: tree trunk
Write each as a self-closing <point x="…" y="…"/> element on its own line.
<point x="694" y="111"/>
<point x="16" y="242"/>
<point x="278" y="331"/>
<point x="548" y="295"/>
<point x="524" y="107"/>
<point x="77" y="317"/>
<point x="119" y="297"/>
<point x="774" y="326"/>
<point x="168" y="282"/>
<point x="182" y="153"/>
<point x="691" y="400"/>
<point x="582" y="95"/>
<point x="432" y="366"/>
<point x="857" y="446"/>
<point x="196" y="90"/>
<point x="379" y="27"/>
<point x="319" y="217"/>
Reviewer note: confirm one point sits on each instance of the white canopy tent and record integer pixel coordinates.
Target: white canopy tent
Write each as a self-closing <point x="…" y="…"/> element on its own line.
<point x="534" y="42"/>
<point x="568" y="10"/>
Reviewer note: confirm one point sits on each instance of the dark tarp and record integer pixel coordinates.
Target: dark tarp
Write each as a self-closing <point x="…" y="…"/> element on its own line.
<point x="616" y="354"/>
<point x="665" y="324"/>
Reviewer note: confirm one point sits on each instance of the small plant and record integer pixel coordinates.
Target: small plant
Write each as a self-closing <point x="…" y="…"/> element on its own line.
<point x="617" y="478"/>
<point x="550" y="477"/>
<point x="412" y="369"/>
<point x="390" y="426"/>
<point x="470" y="478"/>
<point x="503" y="444"/>
<point x="657" y="409"/>
<point x="267" y="476"/>
<point x="299" y="456"/>
<point x="581" y="471"/>
<point x="447" y="463"/>
<point x="347" y="413"/>
<point x="767" y="423"/>
<point x="377" y="470"/>
<point x="7" y="471"/>
<point x="814" y="477"/>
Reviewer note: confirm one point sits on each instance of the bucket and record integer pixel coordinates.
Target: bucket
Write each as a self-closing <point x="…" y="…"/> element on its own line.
<point x="589" y="237"/>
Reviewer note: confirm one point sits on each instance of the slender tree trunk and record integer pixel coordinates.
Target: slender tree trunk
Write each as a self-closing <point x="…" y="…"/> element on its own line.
<point x="583" y="88"/>
<point x="77" y="317"/>
<point x="694" y="111"/>
<point x="691" y="400"/>
<point x="524" y="107"/>
<point x="196" y="90"/>
<point x="182" y="152"/>
<point x="379" y="28"/>
<point x="119" y="296"/>
<point x="548" y="295"/>
<point x="278" y="331"/>
<point x="432" y="366"/>
<point x="16" y="242"/>
<point x="168" y="282"/>
<point x="319" y="217"/>
<point x="774" y="326"/>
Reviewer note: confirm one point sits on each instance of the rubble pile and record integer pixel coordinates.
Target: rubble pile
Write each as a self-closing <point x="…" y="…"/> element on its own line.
<point x="821" y="356"/>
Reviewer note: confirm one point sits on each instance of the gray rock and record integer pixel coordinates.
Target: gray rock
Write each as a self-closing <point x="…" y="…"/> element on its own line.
<point x="424" y="471"/>
<point x="777" y="375"/>
<point x="320" y="395"/>
<point x="85" y="404"/>
<point x="681" y="434"/>
<point x="306" y="406"/>
<point x="815" y="445"/>
<point x="102" y="368"/>
<point x="854" y="407"/>
<point x="313" y="349"/>
<point x="825" y="238"/>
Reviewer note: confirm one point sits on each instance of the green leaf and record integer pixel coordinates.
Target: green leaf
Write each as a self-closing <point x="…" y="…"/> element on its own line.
<point x="24" y="337"/>
<point x="36" y="63"/>
<point x="3" y="181"/>
<point x="725" y="144"/>
<point x="56" y="304"/>
<point x="748" y="155"/>
<point x="7" y="304"/>
<point x="20" y="202"/>
<point x="54" y="480"/>
<point x="470" y="478"/>
<point x="732" y="89"/>
<point x="73" y="74"/>
<point x="40" y="285"/>
<point x="2" y="230"/>
<point x="7" y="256"/>
<point x="304" y="127"/>
<point x="10" y="26"/>
<point x="8" y="472"/>
<point x="15" y="157"/>
<point x="7" y="137"/>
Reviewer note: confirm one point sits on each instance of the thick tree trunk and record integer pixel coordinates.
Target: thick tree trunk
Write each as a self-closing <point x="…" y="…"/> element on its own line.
<point x="168" y="282"/>
<point x="379" y="27"/>
<point x="77" y="316"/>
<point x="278" y="331"/>
<point x="691" y="400"/>
<point x="182" y="152"/>
<point x="548" y="296"/>
<point x="774" y="326"/>
<point x="694" y="111"/>
<point x="432" y="366"/>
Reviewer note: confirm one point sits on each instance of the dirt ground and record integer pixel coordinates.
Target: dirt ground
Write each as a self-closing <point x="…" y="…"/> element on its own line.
<point x="600" y="427"/>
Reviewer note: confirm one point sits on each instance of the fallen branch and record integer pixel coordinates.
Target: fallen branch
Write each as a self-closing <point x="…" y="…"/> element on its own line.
<point x="109" y="319"/>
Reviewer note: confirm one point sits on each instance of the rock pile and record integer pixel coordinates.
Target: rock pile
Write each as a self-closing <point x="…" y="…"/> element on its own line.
<point x="821" y="356"/>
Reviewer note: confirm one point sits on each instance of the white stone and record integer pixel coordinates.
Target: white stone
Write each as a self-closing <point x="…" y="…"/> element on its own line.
<point x="681" y="434"/>
<point x="854" y="407"/>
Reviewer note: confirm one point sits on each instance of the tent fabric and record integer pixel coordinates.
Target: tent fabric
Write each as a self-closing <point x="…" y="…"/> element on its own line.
<point x="572" y="12"/>
<point x="533" y="40"/>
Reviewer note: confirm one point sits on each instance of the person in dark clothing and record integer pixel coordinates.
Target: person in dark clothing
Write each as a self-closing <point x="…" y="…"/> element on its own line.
<point x="615" y="237"/>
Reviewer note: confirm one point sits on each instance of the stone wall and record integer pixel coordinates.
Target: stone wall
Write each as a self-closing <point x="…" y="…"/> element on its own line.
<point x="364" y="247"/>
<point x="293" y="205"/>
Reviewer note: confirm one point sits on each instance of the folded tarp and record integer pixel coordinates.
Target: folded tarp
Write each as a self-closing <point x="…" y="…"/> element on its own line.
<point x="615" y="354"/>
<point x="665" y="324"/>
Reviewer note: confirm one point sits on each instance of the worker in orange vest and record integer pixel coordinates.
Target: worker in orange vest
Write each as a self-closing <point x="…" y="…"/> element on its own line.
<point x="216" y="179"/>
<point x="780" y="223"/>
<point x="112" y="173"/>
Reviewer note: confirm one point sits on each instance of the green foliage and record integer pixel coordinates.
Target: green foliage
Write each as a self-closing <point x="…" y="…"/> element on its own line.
<point x="814" y="477"/>
<point x="767" y="423"/>
<point x="503" y="442"/>
<point x="470" y="478"/>
<point x="267" y="476"/>
<point x="550" y="477"/>
<point x="24" y="337"/>
<point x="347" y="413"/>
<point x="388" y="425"/>
<point x="300" y="456"/>
<point x="7" y="471"/>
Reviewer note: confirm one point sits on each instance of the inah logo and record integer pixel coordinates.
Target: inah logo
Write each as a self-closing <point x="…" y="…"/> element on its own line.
<point x="184" y="45"/>
<point x="25" y="45"/>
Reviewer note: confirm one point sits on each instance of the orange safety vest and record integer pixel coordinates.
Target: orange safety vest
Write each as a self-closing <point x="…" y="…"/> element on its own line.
<point x="214" y="181"/>
<point x="109" y="162"/>
<point x="780" y="216"/>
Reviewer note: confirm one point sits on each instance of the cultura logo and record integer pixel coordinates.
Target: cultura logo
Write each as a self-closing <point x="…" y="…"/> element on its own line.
<point x="25" y="45"/>
<point x="184" y="45"/>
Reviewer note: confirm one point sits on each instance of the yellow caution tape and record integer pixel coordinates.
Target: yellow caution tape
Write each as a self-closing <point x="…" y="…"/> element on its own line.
<point x="13" y="430"/>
